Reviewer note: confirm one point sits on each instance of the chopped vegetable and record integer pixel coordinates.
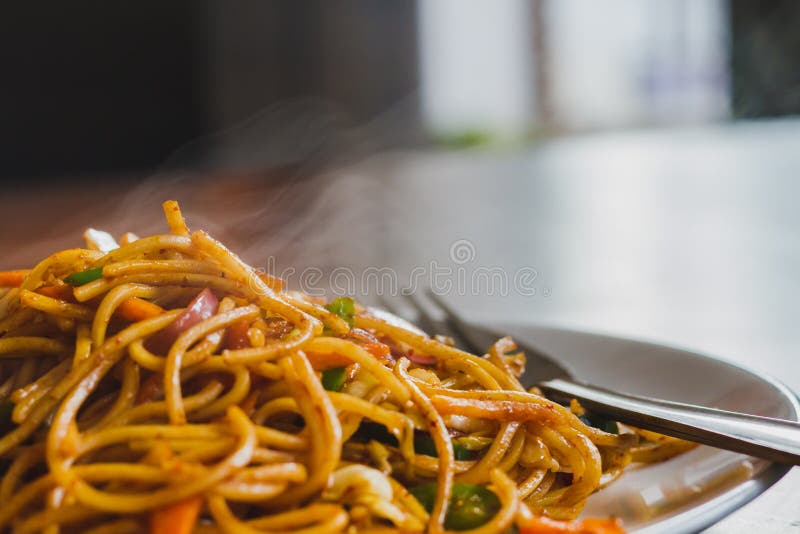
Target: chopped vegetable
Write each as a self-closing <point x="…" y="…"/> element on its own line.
<point x="470" y="505"/>
<point x="57" y="292"/>
<point x="423" y="442"/>
<point x="127" y="238"/>
<point x="421" y="359"/>
<point x="462" y="454"/>
<point x="545" y="525"/>
<point x="322" y="361"/>
<point x="333" y="379"/>
<point x="84" y="277"/>
<point x="277" y="327"/>
<point x="344" y="307"/>
<point x="606" y="425"/>
<point x="12" y="278"/>
<point x="236" y="337"/>
<point x="136" y="309"/>
<point x="494" y="409"/>
<point x="100" y="240"/>
<point x="177" y="518"/>
<point x="203" y="306"/>
<point x="369" y="343"/>
<point x="466" y="448"/>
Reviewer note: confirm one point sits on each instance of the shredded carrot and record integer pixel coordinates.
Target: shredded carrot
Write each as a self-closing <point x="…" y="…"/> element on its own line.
<point x="63" y="292"/>
<point x="322" y="361"/>
<point x="136" y="309"/>
<point x="12" y="278"/>
<point x="132" y="309"/>
<point x="494" y="409"/>
<point x="545" y="525"/>
<point x="177" y="518"/>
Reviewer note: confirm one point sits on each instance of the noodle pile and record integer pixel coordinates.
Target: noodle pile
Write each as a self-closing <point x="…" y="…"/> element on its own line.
<point x="164" y="384"/>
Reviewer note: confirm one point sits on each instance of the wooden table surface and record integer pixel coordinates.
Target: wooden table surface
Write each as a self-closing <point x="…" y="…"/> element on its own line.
<point x="689" y="237"/>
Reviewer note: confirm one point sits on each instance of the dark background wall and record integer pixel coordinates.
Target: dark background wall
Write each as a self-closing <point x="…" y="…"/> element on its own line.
<point x="90" y="85"/>
<point x="94" y="87"/>
<point x="764" y="58"/>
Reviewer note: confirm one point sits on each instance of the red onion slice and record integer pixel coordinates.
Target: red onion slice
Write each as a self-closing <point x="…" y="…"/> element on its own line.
<point x="203" y="306"/>
<point x="422" y="359"/>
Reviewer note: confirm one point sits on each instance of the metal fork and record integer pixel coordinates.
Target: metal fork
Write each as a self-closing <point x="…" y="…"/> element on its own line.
<point x="776" y="440"/>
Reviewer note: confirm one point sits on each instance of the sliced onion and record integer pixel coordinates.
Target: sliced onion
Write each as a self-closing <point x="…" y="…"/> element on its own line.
<point x="203" y="306"/>
<point x="422" y="359"/>
<point x="100" y="240"/>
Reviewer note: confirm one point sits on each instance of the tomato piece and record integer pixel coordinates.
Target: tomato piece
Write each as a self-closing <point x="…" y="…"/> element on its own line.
<point x="236" y="337"/>
<point x="369" y="343"/>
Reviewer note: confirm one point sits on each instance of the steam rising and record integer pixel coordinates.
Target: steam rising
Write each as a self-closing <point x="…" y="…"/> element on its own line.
<point x="293" y="182"/>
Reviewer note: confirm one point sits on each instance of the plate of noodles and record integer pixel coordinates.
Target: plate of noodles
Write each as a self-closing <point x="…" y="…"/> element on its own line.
<point x="160" y="384"/>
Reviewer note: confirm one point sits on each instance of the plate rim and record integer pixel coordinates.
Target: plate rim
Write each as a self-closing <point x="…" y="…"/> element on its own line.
<point x="714" y="510"/>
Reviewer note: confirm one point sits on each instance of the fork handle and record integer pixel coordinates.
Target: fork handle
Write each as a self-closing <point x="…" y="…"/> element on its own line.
<point x="777" y="440"/>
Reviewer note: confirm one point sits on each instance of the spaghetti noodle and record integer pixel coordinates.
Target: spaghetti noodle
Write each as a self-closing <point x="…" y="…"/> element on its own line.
<point x="165" y="384"/>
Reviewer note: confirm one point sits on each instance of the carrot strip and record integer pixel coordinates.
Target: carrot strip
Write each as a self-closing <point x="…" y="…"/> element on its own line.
<point x="136" y="309"/>
<point x="132" y="309"/>
<point x="322" y="361"/>
<point x="545" y="525"/>
<point x="494" y="409"/>
<point x="177" y="518"/>
<point x="57" y="292"/>
<point x="12" y="278"/>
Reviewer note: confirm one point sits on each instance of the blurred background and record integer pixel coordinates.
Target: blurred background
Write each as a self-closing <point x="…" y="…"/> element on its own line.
<point x="637" y="159"/>
<point x="95" y="87"/>
<point x="609" y="146"/>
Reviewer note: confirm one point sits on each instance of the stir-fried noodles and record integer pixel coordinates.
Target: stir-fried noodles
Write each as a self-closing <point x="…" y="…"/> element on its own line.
<point x="163" y="383"/>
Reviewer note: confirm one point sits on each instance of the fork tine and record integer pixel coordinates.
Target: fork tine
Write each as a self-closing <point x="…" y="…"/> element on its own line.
<point x="438" y="326"/>
<point x="544" y="366"/>
<point x="391" y="307"/>
<point x="478" y="342"/>
<point x="424" y="319"/>
<point x="408" y="308"/>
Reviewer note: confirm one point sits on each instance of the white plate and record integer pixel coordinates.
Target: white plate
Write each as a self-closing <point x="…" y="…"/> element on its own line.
<point x="695" y="489"/>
